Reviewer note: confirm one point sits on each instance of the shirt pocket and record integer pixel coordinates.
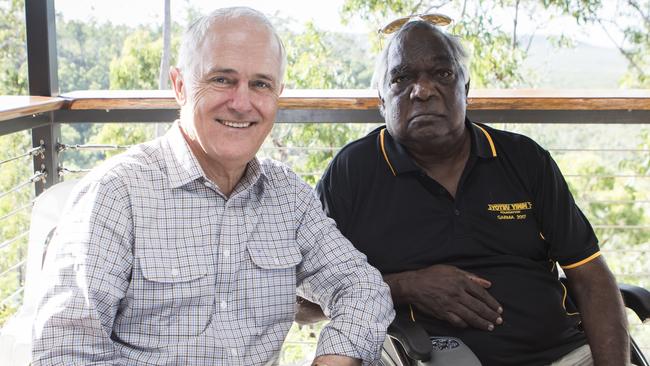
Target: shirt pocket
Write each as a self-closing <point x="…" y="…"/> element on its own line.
<point x="271" y="282"/>
<point x="174" y="296"/>
<point x="169" y="270"/>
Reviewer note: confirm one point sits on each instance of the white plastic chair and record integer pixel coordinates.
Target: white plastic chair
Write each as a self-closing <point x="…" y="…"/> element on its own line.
<point x="16" y="335"/>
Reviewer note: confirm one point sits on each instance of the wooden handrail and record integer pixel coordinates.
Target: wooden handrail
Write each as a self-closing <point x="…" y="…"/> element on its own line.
<point x="20" y="106"/>
<point x="481" y="99"/>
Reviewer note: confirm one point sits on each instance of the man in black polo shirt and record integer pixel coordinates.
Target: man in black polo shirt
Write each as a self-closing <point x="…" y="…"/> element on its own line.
<point x="467" y="222"/>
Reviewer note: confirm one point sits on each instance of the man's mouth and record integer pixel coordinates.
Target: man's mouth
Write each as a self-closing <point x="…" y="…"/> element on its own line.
<point x="426" y="117"/>
<point x="234" y="124"/>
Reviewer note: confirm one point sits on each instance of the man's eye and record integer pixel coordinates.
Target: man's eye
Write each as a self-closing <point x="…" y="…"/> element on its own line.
<point x="220" y="80"/>
<point x="445" y="73"/>
<point x="398" y="79"/>
<point x="262" y="85"/>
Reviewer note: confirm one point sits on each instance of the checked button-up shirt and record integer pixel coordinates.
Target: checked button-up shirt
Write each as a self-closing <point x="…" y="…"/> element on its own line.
<point x="152" y="265"/>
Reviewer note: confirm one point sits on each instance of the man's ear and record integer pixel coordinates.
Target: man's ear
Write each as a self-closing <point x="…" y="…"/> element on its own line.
<point x="467" y="88"/>
<point x="381" y="103"/>
<point x="178" y="84"/>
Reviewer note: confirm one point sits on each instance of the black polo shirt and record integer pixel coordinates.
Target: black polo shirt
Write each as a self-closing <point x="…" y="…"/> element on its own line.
<point x="512" y="219"/>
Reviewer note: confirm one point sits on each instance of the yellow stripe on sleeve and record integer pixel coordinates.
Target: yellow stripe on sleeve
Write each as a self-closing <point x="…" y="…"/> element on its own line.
<point x="586" y="260"/>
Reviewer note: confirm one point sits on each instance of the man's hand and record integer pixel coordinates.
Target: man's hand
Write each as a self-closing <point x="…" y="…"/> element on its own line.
<point x="447" y="293"/>
<point x="336" y="360"/>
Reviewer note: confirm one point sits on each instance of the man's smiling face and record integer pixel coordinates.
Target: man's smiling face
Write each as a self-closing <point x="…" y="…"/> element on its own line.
<point x="232" y="92"/>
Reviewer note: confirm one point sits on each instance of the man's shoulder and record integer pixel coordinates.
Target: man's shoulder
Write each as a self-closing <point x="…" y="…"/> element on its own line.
<point x="278" y="174"/>
<point x="139" y="162"/>
<point x="513" y="143"/>
<point x="506" y="136"/>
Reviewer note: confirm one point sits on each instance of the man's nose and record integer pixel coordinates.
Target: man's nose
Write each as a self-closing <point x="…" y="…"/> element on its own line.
<point x="240" y="99"/>
<point x="423" y="89"/>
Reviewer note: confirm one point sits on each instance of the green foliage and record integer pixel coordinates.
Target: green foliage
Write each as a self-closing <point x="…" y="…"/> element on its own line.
<point x="637" y="35"/>
<point x="496" y="57"/>
<point x="138" y="65"/>
<point x="85" y="52"/>
<point x="322" y="60"/>
<point x="581" y="10"/>
<point x="594" y="179"/>
<point x="379" y="11"/>
<point x="300" y="345"/>
<point x="13" y="80"/>
<point x="318" y="60"/>
<point x="494" y="63"/>
<point x="122" y="134"/>
<point x="643" y="167"/>
<point x="13" y="222"/>
<point x="13" y="52"/>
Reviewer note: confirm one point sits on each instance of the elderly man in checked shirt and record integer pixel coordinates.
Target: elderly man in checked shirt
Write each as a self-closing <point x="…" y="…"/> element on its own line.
<point x="188" y="250"/>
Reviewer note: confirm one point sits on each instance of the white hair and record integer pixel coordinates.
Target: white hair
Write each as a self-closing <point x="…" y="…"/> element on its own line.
<point x="195" y="34"/>
<point x="458" y="54"/>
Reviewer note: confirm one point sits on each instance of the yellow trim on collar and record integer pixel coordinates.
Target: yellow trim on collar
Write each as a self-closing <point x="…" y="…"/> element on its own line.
<point x="383" y="150"/>
<point x="586" y="260"/>
<point x="494" y="150"/>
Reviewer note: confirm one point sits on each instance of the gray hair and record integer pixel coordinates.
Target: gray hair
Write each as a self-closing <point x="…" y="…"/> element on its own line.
<point x="195" y="34"/>
<point x="458" y="54"/>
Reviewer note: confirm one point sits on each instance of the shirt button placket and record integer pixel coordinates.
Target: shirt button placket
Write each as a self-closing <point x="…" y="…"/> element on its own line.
<point x="224" y="275"/>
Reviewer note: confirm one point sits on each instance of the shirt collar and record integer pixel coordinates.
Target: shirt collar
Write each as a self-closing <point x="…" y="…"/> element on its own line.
<point x="482" y="143"/>
<point x="183" y="167"/>
<point x="399" y="161"/>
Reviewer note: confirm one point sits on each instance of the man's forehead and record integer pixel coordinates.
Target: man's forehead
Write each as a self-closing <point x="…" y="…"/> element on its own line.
<point x="428" y="47"/>
<point x="229" y="44"/>
<point x="236" y="31"/>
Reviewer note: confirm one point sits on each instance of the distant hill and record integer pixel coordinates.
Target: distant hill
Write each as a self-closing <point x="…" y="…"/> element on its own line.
<point x="583" y="67"/>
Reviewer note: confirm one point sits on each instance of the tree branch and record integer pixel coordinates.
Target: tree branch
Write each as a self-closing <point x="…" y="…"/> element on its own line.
<point x="620" y="48"/>
<point x="514" y="29"/>
<point x="462" y="13"/>
<point x="636" y="7"/>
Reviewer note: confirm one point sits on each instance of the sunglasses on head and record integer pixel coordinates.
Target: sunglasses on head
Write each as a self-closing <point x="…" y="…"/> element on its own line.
<point x="432" y="18"/>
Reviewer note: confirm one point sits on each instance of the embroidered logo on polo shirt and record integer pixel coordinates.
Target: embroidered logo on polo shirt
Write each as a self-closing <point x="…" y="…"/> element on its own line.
<point x="510" y="211"/>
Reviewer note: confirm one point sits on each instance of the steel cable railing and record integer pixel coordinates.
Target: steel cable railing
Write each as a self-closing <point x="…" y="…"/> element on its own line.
<point x="628" y="227"/>
<point x="13" y="268"/>
<point x="13" y="295"/>
<point x="13" y="240"/>
<point x="65" y="171"/>
<point x="606" y="176"/>
<point x="64" y="147"/>
<point x="16" y="211"/>
<point x="39" y="150"/>
<point x="90" y="147"/>
<point x="38" y="176"/>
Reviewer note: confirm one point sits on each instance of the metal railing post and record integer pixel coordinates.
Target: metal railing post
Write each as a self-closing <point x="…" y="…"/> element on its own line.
<point x="43" y="80"/>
